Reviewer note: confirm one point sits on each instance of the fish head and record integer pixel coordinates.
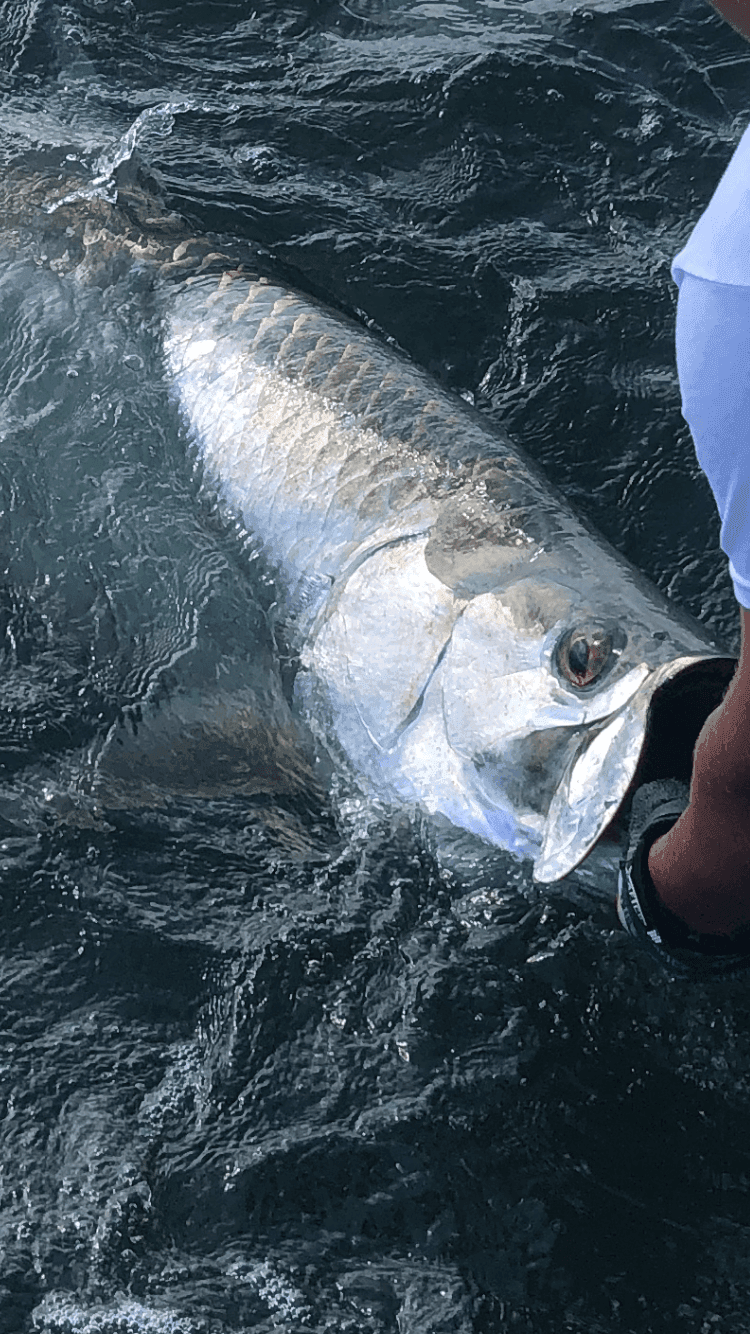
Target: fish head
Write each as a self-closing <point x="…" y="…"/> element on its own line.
<point x="511" y="674"/>
<point x="556" y="694"/>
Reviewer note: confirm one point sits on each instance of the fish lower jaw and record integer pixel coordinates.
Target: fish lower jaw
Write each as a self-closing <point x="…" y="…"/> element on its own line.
<point x="602" y="770"/>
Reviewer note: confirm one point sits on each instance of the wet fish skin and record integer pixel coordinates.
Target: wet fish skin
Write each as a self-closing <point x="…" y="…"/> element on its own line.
<point x="430" y="571"/>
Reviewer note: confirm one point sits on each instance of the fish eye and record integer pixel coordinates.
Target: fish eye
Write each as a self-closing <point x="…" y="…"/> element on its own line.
<point x="584" y="653"/>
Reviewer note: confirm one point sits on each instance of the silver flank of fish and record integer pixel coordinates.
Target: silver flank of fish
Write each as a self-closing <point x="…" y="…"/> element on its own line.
<point x="466" y="644"/>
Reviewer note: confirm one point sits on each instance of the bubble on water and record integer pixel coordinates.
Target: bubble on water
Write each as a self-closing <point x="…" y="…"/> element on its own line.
<point x="60" y="1314"/>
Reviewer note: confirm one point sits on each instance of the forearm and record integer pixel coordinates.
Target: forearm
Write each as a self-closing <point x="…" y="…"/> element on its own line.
<point x="701" y="867"/>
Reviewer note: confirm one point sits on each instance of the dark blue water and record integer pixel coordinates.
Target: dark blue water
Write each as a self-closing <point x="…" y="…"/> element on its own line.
<point x="263" y="1065"/>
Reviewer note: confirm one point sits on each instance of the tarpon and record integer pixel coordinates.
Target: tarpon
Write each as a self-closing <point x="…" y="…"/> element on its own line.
<point x="466" y="646"/>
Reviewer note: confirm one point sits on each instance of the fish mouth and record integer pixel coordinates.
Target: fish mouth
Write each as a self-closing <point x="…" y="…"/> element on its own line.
<point x="651" y="736"/>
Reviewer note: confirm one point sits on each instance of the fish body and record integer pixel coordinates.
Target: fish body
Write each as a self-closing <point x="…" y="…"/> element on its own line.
<point x="465" y="643"/>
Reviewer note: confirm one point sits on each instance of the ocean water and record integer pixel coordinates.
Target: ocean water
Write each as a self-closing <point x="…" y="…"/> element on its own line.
<point x="264" y="1066"/>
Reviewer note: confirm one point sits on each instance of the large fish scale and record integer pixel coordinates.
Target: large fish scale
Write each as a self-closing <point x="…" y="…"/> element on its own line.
<point x="305" y="474"/>
<point x="324" y="440"/>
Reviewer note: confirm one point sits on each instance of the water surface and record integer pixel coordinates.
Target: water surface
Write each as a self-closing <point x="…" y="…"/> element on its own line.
<point x="263" y="1065"/>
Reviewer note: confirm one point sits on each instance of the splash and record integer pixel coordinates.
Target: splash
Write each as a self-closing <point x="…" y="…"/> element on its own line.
<point x="153" y="124"/>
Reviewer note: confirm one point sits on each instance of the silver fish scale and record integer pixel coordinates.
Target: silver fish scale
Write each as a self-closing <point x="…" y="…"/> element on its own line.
<point x="327" y="442"/>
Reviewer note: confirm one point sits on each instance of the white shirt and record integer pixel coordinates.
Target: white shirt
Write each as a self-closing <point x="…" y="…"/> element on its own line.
<point x="719" y="245"/>
<point x="712" y="272"/>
